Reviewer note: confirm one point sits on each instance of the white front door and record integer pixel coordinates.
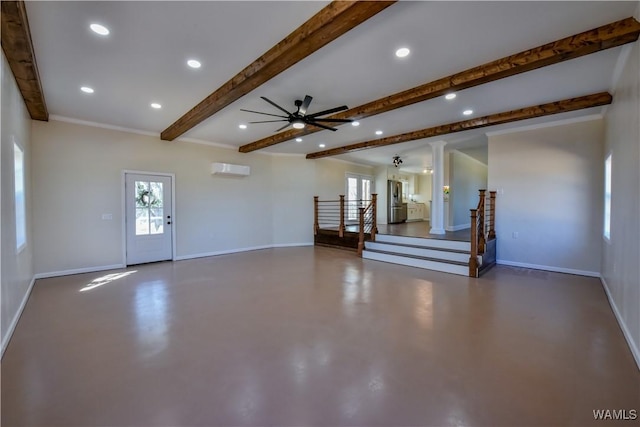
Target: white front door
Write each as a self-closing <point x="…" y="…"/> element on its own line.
<point x="148" y="218"/>
<point x="358" y="190"/>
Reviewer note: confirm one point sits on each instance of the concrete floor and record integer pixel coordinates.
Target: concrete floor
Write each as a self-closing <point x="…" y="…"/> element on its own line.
<point x="315" y="336"/>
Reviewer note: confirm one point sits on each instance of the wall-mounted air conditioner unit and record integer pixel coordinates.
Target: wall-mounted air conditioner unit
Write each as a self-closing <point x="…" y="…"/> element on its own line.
<point x="229" y="169"/>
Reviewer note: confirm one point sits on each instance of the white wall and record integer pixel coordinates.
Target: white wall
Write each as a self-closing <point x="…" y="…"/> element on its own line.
<point x="16" y="269"/>
<point x="621" y="256"/>
<point x="552" y="183"/>
<point x="292" y="191"/>
<point x="77" y="172"/>
<point x="466" y="176"/>
<point x="331" y="176"/>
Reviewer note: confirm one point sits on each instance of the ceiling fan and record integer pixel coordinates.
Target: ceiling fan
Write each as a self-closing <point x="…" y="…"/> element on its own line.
<point x="299" y="119"/>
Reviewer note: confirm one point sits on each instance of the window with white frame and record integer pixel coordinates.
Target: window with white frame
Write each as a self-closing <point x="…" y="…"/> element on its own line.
<point x="19" y="196"/>
<point x="607" y="197"/>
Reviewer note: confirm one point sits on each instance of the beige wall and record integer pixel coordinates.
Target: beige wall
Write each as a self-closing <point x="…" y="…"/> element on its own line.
<point x="16" y="269"/>
<point x="466" y="176"/>
<point x="78" y="172"/>
<point x="621" y="255"/>
<point x="551" y="180"/>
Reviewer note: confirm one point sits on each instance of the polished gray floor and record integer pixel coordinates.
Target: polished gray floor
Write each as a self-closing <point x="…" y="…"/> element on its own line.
<point x="315" y="336"/>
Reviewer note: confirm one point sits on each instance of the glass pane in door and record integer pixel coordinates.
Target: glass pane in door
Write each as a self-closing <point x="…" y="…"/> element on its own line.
<point x="149" y="208"/>
<point x="366" y="189"/>
<point x="352" y="197"/>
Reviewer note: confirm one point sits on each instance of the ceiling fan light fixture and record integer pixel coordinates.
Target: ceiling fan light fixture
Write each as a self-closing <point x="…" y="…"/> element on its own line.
<point x="298" y="124"/>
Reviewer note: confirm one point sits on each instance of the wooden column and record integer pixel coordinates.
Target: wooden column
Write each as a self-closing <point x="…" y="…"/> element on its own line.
<point x="361" y="231"/>
<point x="316" y="226"/>
<point x="492" y="215"/>
<point x="481" y="225"/>
<point x="341" y="227"/>
<point x="374" y="216"/>
<point x="473" y="258"/>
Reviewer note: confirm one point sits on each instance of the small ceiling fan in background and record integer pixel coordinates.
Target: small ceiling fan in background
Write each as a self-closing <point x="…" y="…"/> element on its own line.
<point x="299" y="119"/>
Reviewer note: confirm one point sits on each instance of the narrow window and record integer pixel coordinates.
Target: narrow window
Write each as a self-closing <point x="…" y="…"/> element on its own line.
<point x="607" y="197"/>
<point x="19" y="195"/>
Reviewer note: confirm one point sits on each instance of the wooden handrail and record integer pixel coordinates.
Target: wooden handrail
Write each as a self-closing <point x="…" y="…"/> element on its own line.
<point x="341" y="227"/>
<point x="492" y="215"/>
<point x="374" y="226"/>
<point x="473" y="257"/>
<point x="316" y="225"/>
<point x="480" y="225"/>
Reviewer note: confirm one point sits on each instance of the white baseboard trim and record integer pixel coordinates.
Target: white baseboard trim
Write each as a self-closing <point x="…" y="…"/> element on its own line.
<point x="78" y="271"/>
<point x="14" y="321"/>
<point x="458" y="227"/>
<point x="625" y="331"/>
<point x="234" y="251"/>
<point x="291" y="245"/>
<point x="549" y="268"/>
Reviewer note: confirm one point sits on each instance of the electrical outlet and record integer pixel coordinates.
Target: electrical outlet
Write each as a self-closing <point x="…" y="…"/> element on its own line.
<point x="515" y="235"/>
<point x="107" y="216"/>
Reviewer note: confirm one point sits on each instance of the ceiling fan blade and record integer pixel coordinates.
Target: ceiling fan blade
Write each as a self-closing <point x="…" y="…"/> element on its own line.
<point x="266" y="114"/>
<point x="278" y="130"/>
<point x="333" y="120"/>
<point x="321" y="126"/>
<point x="305" y="104"/>
<point x="329" y="111"/>
<point x="276" y="105"/>
<point x="270" y="121"/>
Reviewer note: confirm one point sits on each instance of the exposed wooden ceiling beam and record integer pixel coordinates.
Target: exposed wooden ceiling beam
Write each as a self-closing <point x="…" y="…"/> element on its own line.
<point x="563" y="106"/>
<point x="325" y="26"/>
<point x="17" y="47"/>
<point x="601" y="38"/>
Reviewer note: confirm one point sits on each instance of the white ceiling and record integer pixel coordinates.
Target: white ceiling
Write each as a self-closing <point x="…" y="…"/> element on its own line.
<point x="143" y="60"/>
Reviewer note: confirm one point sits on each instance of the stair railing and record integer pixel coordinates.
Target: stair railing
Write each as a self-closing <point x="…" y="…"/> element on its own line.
<point x="367" y="220"/>
<point x="483" y="221"/>
<point x="328" y="214"/>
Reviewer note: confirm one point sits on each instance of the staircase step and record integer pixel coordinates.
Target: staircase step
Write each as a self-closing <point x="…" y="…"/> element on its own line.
<point x="421" y="251"/>
<point x="454" y="245"/>
<point x="452" y="267"/>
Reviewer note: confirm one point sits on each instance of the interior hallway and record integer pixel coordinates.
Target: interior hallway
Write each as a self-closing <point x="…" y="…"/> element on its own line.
<point x="315" y="336"/>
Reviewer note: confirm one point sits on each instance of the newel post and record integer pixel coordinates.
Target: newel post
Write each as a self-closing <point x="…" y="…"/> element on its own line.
<point x="361" y="231"/>
<point x="316" y="226"/>
<point x="374" y="216"/>
<point x="473" y="258"/>
<point x="341" y="227"/>
<point x="492" y="215"/>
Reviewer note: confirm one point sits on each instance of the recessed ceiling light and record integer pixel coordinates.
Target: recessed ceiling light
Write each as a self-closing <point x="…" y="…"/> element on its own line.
<point x="355" y="123"/>
<point x="321" y="145"/>
<point x="86" y="89"/>
<point x="156" y="105"/>
<point x="402" y="52"/>
<point x="424" y="171"/>
<point x="378" y="132"/>
<point x="242" y="126"/>
<point x="99" y="29"/>
<point x="194" y="63"/>
<point x="450" y="96"/>
<point x="298" y="139"/>
<point x="467" y="112"/>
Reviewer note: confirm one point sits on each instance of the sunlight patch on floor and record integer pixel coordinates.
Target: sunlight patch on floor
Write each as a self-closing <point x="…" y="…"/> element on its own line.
<point x="106" y="279"/>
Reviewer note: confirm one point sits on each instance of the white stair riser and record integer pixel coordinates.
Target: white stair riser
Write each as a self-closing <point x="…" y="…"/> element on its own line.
<point x="418" y="241"/>
<point x="420" y="263"/>
<point x="421" y="252"/>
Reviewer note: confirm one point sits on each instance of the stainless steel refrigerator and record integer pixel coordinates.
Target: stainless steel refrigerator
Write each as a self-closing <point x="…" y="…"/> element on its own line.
<point x="396" y="210"/>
